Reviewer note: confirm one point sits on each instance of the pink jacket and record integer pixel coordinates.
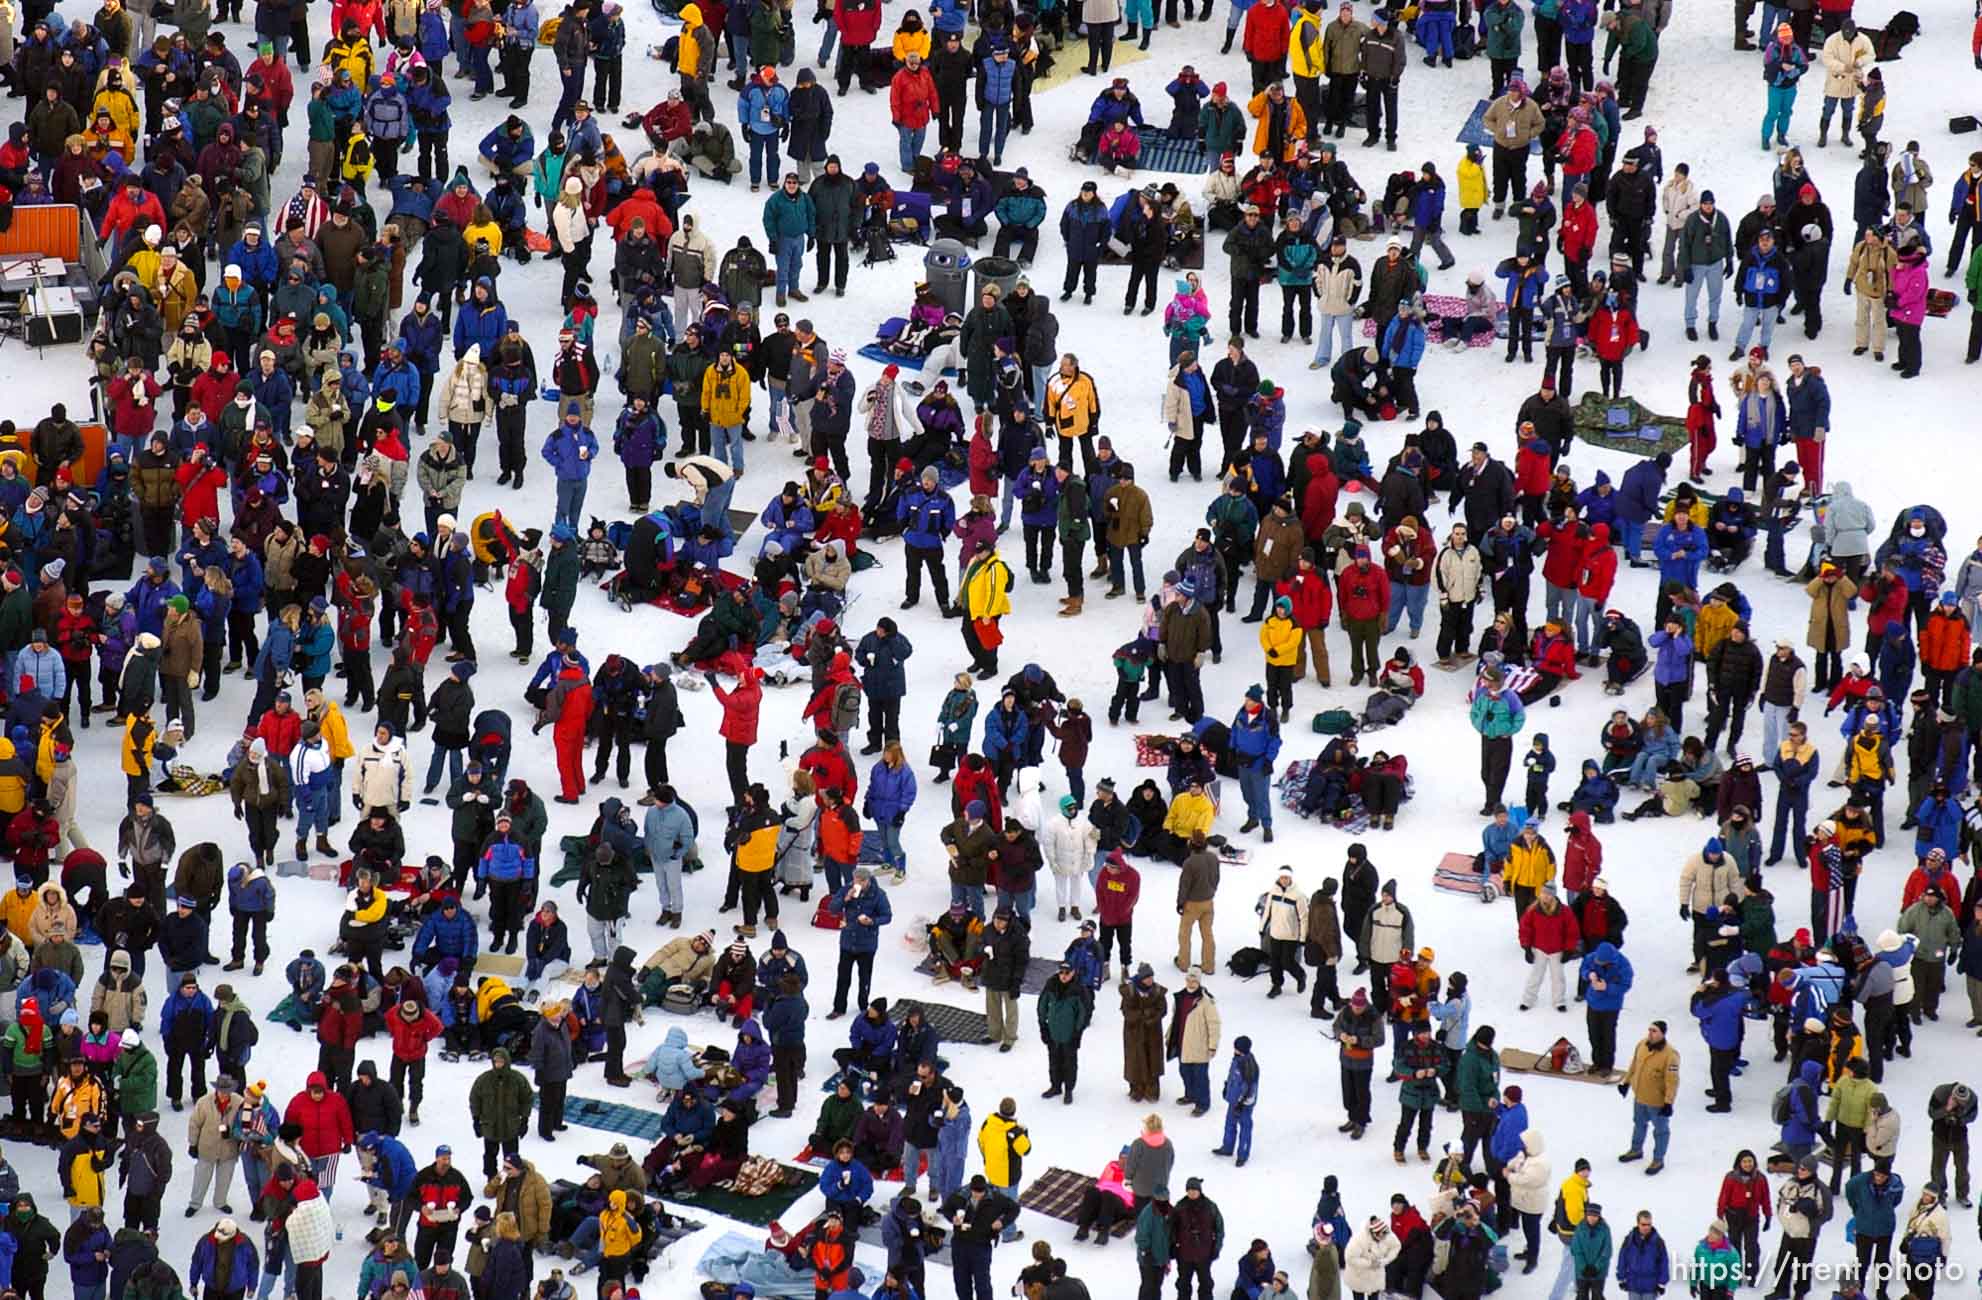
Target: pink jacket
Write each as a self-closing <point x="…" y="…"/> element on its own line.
<point x="1910" y="291"/>
<point x="1111" y="1181"/>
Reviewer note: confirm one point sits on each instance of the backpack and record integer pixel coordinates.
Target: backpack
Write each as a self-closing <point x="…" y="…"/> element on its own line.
<point x="1563" y="1058"/>
<point x="1246" y="963"/>
<point x="1383" y="710"/>
<point x="1779" y="1105"/>
<point x="682" y="998"/>
<point x="1334" y="722"/>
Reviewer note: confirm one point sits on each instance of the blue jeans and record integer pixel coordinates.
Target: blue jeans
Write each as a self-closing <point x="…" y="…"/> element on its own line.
<point x="585" y="1241"/>
<point x="1695" y="277"/>
<point x="450" y="755"/>
<point x="994" y="123"/>
<point x="1115" y="554"/>
<point x="780" y="406"/>
<point x="1256" y="787"/>
<point x="1239" y="1131"/>
<point x="1752" y="318"/>
<point x="1565" y="1277"/>
<point x="1404" y="597"/>
<point x="1077" y="784"/>
<point x="1006" y="501"/>
<point x="832" y="38"/>
<point x="667" y="883"/>
<point x="1832" y="103"/>
<point x="1197" y="1084"/>
<point x="763" y="157"/>
<point x="571" y="502"/>
<point x="715" y="506"/>
<point x="287" y="1273"/>
<point x="311" y="813"/>
<point x="478" y="67"/>
<point x="1324" y="346"/>
<point x="1661" y="1126"/>
<point x="909" y="143"/>
<point x="1021" y="904"/>
<point x="1629" y="534"/>
<point x="1782" y="102"/>
<point x="891" y="845"/>
<point x="791" y="261"/>
<point x="726" y="443"/>
<point x="1589" y="613"/>
<point x="971" y="896"/>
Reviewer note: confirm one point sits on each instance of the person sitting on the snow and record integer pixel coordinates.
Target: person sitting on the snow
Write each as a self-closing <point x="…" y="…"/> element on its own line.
<point x="1730" y="531"/>
<point x="1596" y="794"/>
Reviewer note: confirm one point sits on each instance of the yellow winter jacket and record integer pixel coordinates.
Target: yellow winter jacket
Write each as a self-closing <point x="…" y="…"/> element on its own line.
<point x="1529" y="865"/>
<point x="1304" y="57"/>
<point x="86" y="1177"/>
<point x="488" y="230"/>
<point x="1472" y="184"/>
<point x="14" y="779"/>
<point x="1281" y="639"/>
<point x="986" y="588"/>
<point x="491" y="990"/>
<point x="15" y="911"/>
<point x="73" y="1101"/>
<point x="1189" y="814"/>
<point x="1866" y="759"/>
<point x="1711" y="626"/>
<point x="336" y="735"/>
<point x="998" y="1140"/>
<point x="907" y="43"/>
<point x="618" y="1232"/>
<point x="726" y="398"/>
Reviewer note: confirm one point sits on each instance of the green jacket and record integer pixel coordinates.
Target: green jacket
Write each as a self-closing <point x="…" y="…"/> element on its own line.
<point x="1851" y="1101"/>
<point x="837" y="1118"/>
<point x="643" y="365"/>
<point x="1935" y="928"/>
<point x="1223" y="130"/>
<point x="1152" y="1236"/>
<point x="1590" y="1249"/>
<point x="371" y="295"/>
<point x="560" y="577"/>
<point x="16" y="619"/>
<point x="1758" y="923"/>
<point x="1493" y="718"/>
<point x="499" y="1102"/>
<point x="20" y="1059"/>
<point x="1503" y="30"/>
<point x="134" y="1080"/>
<point x="1975" y="282"/>
<point x="1635" y="37"/>
<point x="323" y="123"/>
<point x="1064" y="1010"/>
<point x="1074" y="524"/>
<point x="1479" y="1078"/>
<point x="685" y="367"/>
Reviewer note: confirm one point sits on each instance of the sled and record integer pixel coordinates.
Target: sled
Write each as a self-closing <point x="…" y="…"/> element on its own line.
<point x="1454" y="874"/>
<point x="1153" y="749"/>
<point x="501" y="964"/>
<point x="1523" y="1062"/>
<point x="1233" y="855"/>
<point x="536" y="241"/>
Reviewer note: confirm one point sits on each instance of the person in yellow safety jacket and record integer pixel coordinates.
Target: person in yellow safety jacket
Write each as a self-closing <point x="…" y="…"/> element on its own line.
<point x="488" y="992"/>
<point x="81" y="1161"/>
<point x="17" y="908"/>
<point x="77" y="1097"/>
<point x="726" y="393"/>
<point x="987" y="588"/>
<point x="1072" y="403"/>
<point x="323" y="711"/>
<point x="1003" y="1142"/>
<point x="14" y="778"/>
<point x="483" y="227"/>
<point x="492" y="541"/>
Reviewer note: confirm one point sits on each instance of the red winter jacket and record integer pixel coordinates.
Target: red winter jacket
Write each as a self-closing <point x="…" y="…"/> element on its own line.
<point x="1582" y="855"/>
<point x="1578" y="238"/>
<point x="1577" y="148"/>
<point x="1533" y="468"/>
<point x="1613" y="333"/>
<point x="977" y="782"/>
<point x="199" y="484"/>
<point x="1318" y="497"/>
<point x="1886" y="600"/>
<point x="912" y="99"/>
<point x="858" y="25"/>
<point x="339" y="1028"/>
<point x="1396" y="553"/>
<point x="280" y="731"/>
<point x="1313" y="605"/>
<point x="1750" y="1194"/>
<point x="410" y="1037"/>
<point x="1364" y="593"/>
<point x="326" y="1121"/>
<point x="740" y="706"/>
<point x="1554" y="654"/>
<point x="1115" y="892"/>
<point x="1563" y="563"/>
<point x="1549" y="932"/>
<point x="1599" y="566"/>
<point x="1267" y="29"/>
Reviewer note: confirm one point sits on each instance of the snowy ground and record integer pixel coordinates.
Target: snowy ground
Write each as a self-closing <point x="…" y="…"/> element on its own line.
<point x="1708" y="101"/>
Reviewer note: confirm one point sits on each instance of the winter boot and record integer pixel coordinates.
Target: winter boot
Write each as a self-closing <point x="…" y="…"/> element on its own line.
<point x="324" y="845"/>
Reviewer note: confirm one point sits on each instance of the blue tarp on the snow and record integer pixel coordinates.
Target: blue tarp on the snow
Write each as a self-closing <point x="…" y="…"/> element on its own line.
<point x="735" y="1258"/>
<point x="1163" y="152"/>
<point x="614" y="1117"/>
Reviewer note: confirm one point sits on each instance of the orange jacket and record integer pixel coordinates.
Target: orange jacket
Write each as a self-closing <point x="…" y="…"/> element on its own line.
<point x="1945" y="641"/>
<point x="839" y="834"/>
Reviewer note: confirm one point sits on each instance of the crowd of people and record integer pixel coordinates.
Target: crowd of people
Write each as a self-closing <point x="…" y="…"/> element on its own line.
<point x="294" y="392"/>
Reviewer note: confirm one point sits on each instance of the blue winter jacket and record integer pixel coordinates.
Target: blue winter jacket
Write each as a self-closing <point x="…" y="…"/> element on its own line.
<point x="1673" y="662"/>
<point x="1644" y="1266"/>
<point x="1638" y="493"/>
<point x="763" y="109"/>
<point x="459" y="938"/>
<point x="1505" y="1143"/>
<point x="873" y="904"/>
<point x="482" y="324"/>
<point x="845" y="1182"/>
<point x="637" y="440"/>
<point x="399" y="381"/>
<point x="1874" y="1209"/>
<point x="873" y="1040"/>
<point x="881" y="660"/>
<point x="691" y="1124"/>
<point x="995" y="81"/>
<point x="395" y="1170"/>
<point x="249" y="896"/>
<point x="246" y="1267"/>
<point x="890" y="793"/>
<point x="561" y="450"/>
<point x="1615" y="968"/>
<point x="1721" y="1018"/>
<point x="927" y="517"/>
<point x="1939" y="827"/>
<point x="507" y="153"/>
<point x="1005" y="732"/>
<point x="1255" y="738"/>
<point x="1404" y="342"/>
<point x="1680" y="554"/>
<point x="258" y="264"/>
<point x="505" y="860"/>
<point x="1805" y="1106"/>
<point x="1037" y="480"/>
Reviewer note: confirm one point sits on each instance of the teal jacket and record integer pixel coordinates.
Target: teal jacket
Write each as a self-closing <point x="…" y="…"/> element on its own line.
<point x="1495" y="717"/>
<point x="1590" y="1249"/>
<point x="789" y="216"/>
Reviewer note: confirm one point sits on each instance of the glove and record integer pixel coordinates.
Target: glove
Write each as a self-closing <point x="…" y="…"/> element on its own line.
<point x="1529" y="953"/>
<point x="124" y="870"/>
<point x="1623" y="1088"/>
<point x="1685" y="912"/>
<point x="1666" y="1111"/>
<point x="239" y="815"/>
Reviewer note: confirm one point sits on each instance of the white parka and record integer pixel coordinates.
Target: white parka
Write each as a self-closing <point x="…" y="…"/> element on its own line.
<point x="1370" y="1251"/>
<point x="1068" y="844"/>
<point x="1531" y="1177"/>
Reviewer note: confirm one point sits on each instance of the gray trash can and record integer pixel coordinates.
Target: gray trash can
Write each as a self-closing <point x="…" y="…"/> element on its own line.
<point x="946" y="266"/>
<point x="1000" y="271"/>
